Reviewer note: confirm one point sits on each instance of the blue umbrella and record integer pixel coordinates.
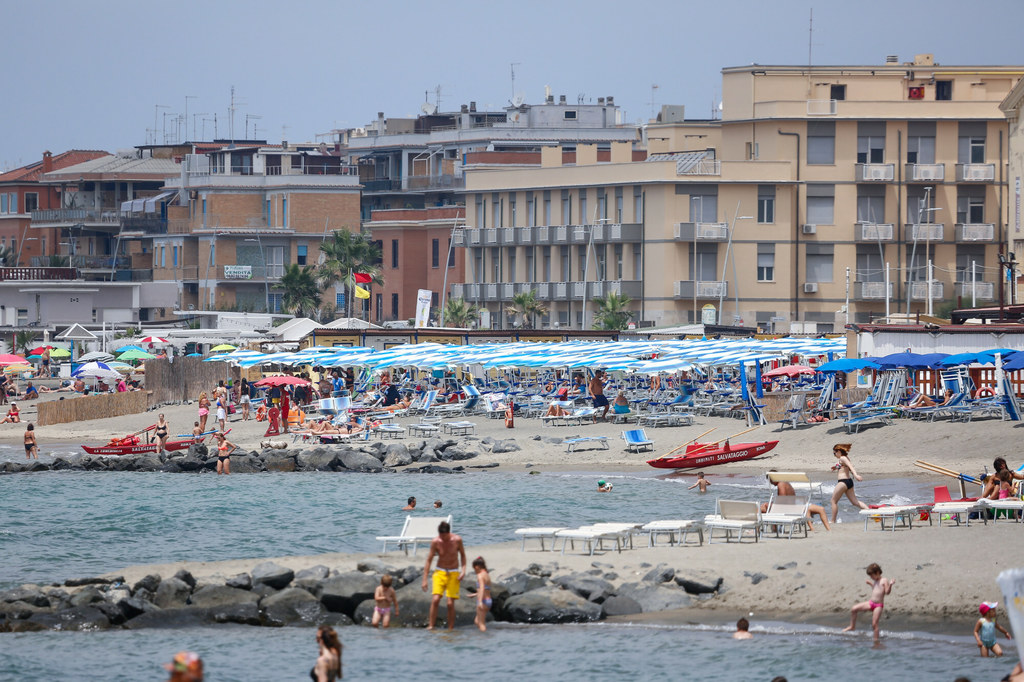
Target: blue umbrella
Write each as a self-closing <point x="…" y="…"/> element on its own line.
<point x="124" y="349"/>
<point x="848" y="365"/>
<point x="908" y="360"/>
<point x="983" y="357"/>
<point x="1014" y="363"/>
<point x="194" y="355"/>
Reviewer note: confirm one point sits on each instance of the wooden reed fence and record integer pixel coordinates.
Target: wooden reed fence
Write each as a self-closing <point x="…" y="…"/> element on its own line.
<point x="775" y="403"/>
<point x="185" y="378"/>
<point x="86" y="407"/>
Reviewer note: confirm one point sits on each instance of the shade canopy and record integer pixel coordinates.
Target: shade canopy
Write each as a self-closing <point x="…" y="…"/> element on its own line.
<point x="153" y="339"/>
<point x="282" y="381"/>
<point x="848" y="365"/>
<point x="11" y="359"/>
<point x="136" y="355"/>
<point x="223" y="347"/>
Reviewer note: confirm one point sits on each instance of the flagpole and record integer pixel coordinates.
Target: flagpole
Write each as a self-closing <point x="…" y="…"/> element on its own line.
<point x="350" y="284"/>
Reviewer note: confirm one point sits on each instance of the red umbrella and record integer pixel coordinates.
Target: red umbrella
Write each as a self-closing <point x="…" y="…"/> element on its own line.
<point x="152" y="339"/>
<point x="9" y="359"/>
<point x="282" y="380"/>
<point x="788" y="371"/>
<point x="39" y="351"/>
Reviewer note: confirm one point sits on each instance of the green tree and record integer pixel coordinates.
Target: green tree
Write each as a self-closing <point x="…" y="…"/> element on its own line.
<point x="346" y="253"/>
<point x="59" y="261"/>
<point x="526" y="306"/>
<point x="458" y="313"/>
<point x="611" y="311"/>
<point x="301" y="290"/>
<point x="23" y="341"/>
<point x="8" y="257"/>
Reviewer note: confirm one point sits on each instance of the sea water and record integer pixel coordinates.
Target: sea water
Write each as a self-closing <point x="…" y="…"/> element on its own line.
<point x="65" y="524"/>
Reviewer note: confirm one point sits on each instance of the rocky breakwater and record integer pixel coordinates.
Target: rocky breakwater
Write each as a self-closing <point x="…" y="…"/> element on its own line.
<point x="432" y="455"/>
<point x="272" y="595"/>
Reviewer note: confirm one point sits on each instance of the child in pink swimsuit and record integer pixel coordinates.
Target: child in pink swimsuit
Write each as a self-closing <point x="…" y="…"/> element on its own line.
<point x="384" y="598"/>
<point x="879" y="588"/>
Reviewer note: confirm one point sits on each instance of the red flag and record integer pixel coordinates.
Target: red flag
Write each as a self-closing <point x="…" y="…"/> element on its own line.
<point x="363" y="278"/>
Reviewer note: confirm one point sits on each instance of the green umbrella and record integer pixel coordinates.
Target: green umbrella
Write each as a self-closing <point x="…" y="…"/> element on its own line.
<point x="222" y="347"/>
<point x="59" y="353"/>
<point x="136" y="355"/>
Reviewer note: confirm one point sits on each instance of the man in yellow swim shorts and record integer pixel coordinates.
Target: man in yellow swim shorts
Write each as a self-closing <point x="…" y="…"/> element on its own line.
<point x="451" y="569"/>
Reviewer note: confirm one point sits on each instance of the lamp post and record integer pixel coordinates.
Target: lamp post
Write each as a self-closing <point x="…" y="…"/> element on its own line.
<point x="22" y="246"/>
<point x="725" y="263"/>
<point x="586" y="264"/>
<point x="456" y="228"/>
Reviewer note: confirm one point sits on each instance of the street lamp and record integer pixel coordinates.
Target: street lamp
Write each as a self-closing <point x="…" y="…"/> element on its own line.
<point x="586" y="264"/>
<point x="266" y="279"/>
<point x="457" y="228"/>
<point x="22" y="246"/>
<point x="725" y="263"/>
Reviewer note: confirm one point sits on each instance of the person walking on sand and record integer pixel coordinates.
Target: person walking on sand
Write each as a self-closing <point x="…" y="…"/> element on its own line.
<point x="847" y="474"/>
<point x="224" y="450"/>
<point x="985" y="629"/>
<point x="701" y="483"/>
<point x="244" y="398"/>
<point x="483" y="592"/>
<point x="597" y="393"/>
<point x="204" y="410"/>
<point x="31" y="445"/>
<point x="384" y="599"/>
<point x="328" y="662"/>
<point x="285" y="407"/>
<point x="451" y="569"/>
<point x="879" y="588"/>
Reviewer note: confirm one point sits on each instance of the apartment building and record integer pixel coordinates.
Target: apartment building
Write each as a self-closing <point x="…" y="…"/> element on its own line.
<point x="244" y="212"/>
<point x="1013" y="107"/>
<point x="823" y="195"/>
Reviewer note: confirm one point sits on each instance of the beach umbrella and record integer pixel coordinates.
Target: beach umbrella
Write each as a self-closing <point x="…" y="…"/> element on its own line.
<point x="788" y="371"/>
<point x="14" y="369"/>
<point x="125" y="349"/>
<point x="96" y="370"/>
<point x="136" y="355"/>
<point x="282" y="380"/>
<point x="92" y="356"/>
<point x="60" y="353"/>
<point x="194" y="355"/>
<point x="1014" y="363"/>
<point x="153" y="339"/>
<point x="223" y="347"/>
<point x="848" y="365"/>
<point x="40" y="350"/>
<point x="897" y="360"/>
<point x="11" y="359"/>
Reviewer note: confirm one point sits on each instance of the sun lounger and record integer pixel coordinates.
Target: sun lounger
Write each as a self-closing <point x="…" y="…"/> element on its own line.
<point x="800" y="481"/>
<point x="425" y="427"/>
<point x="903" y="514"/>
<point x="637" y="440"/>
<point x="592" y="538"/>
<point x="459" y="428"/>
<point x="952" y="511"/>
<point x="572" y="443"/>
<point x="625" y="530"/>
<point x="383" y="431"/>
<point x="786" y="511"/>
<point x="856" y="421"/>
<point x="673" y="529"/>
<point x="540" y="534"/>
<point x="734" y="516"/>
<point x="417" y="530"/>
<point x="1007" y="509"/>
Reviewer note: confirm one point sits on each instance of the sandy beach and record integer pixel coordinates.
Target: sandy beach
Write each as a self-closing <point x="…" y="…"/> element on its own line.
<point x="940" y="572"/>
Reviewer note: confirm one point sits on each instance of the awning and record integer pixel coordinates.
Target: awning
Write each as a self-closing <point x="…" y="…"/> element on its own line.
<point x="152" y="205"/>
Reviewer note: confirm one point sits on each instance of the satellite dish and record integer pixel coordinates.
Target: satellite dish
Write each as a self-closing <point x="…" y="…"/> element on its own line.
<point x="518" y="100"/>
<point x="428" y="108"/>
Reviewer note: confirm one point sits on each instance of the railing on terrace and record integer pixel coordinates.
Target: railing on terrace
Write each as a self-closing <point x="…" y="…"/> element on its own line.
<point x="77" y="215"/>
<point x="28" y="274"/>
<point x="105" y="262"/>
<point x="145" y="225"/>
<point x="436" y="182"/>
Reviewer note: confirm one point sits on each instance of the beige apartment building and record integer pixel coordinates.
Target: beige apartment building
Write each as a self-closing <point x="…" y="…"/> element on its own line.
<point x="822" y="196"/>
<point x="1013" y="107"/>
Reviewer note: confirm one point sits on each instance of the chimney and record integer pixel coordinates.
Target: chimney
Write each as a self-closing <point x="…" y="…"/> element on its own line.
<point x="472" y="106"/>
<point x="600" y="100"/>
<point x="561" y="99"/>
<point x="47" y="161"/>
<point x="284" y="144"/>
<point x="892" y="59"/>
<point x="464" y="109"/>
<point x="611" y="100"/>
<point x="550" y="99"/>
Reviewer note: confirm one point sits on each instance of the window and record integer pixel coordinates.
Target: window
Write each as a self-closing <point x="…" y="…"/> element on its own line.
<point x="284" y="212"/>
<point x="478" y="265"/>
<point x="943" y="90"/>
<point x="435" y="253"/>
<point x="971" y="143"/>
<point x="547" y="207"/>
<point x="819" y="262"/>
<point x="752" y="150"/>
<point x="837" y="92"/>
<point x="275" y="261"/>
<point x="618" y="260"/>
<point x="12" y="200"/>
<point x="821" y="142"/>
<point x="267" y="215"/>
<point x="870" y="267"/>
<point x="480" y="213"/>
<point x="638" y="260"/>
<point x="275" y="302"/>
<point x="22" y="317"/>
<point x="3" y="203"/>
<point x="703" y="208"/>
<point x="569" y="115"/>
<point x="970" y="262"/>
<point x="870" y="204"/>
<point x="920" y="206"/>
<point x="163" y="256"/>
<point x="766" y="262"/>
<point x="546" y="255"/>
<point x="638" y="205"/>
<point x="339" y="300"/>
<point x="602" y="261"/>
<point x="174" y="256"/>
<point x="496" y="210"/>
<point x="705" y="267"/>
<point x="512" y="210"/>
<point x="531" y="210"/>
<point x="870" y="141"/>
<point x="301" y="251"/>
<point x="970" y="204"/>
<point x="618" y="205"/>
<point x="584" y="219"/>
<point x="566" y="208"/>
<point x="204" y="212"/>
<point x="820" y="204"/>
<point x="531" y="273"/>
<point x="602" y="204"/>
<point x="433" y="299"/>
<point x="766" y="203"/>
<point x="394" y="306"/>
<point x="378" y="305"/>
<point x="563" y="253"/>
<point x="581" y="254"/>
<point x="511" y="269"/>
<point x="451" y="254"/>
<point x="496" y="264"/>
<point x="921" y="142"/>
<point x="394" y="253"/>
<point x="31" y="201"/>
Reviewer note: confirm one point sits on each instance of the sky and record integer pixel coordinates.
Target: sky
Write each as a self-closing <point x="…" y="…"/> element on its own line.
<point x="91" y="75"/>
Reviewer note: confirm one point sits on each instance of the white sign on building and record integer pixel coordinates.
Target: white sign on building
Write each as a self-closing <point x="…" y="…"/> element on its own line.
<point x="237" y="272"/>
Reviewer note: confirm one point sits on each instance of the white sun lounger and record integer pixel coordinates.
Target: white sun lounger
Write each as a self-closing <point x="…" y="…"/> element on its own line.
<point x="800" y="481"/>
<point x="459" y="428"/>
<point x="673" y="528"/>
<point x="786" y="511"/>
<point x="952" y="511"/>
<point x="572" y="443"/>
<point x="734" y="516"/>
<point x="902" y="513"/>
<point x="1013" y="508"/>
<point x="417" y="530"/>
<point x="592" y="538"/>
<point x="540" y="534"/>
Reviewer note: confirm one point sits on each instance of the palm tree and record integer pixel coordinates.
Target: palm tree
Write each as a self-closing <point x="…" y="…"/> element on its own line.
<point x="23" y="341"/>
<point x="301" y="290"/>
<point x="611" y="311"/>
<point x="7" y="257"/>
<point x="458" y="313"/>
<point x="345" y="254"/>
<point x="527" y="307"/>
<point x="57" y="261"/>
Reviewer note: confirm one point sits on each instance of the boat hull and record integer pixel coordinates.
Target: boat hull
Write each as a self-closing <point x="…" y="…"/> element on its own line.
<point x="698" y="456"/>
<point x="135" y="449"/>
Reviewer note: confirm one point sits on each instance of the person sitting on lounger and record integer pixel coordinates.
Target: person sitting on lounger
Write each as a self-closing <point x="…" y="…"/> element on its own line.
<point x="784" y="488"/>
<point x="621" y="404"/>
<point x="991" y="490"/>
<point x="556" y="410"/>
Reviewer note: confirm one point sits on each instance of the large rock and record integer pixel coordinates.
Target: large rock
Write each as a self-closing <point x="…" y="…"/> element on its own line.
<point x="660" y="574"/>
<point x="356" y="460"/>
<point x="654" y="598"/>
<point x="272" y="575"/>
<point x="457" y="452"/>
<point x="291" y="606"/>
<point x="212" y="596"/>
<point x="246" y="464"/>
<point x="85" y="596"/>
<point x="168" y="618"/>
<point x="501" y="446"/>
<point x="318" y="572"/>
<point x="590" y="588"/>
<point x="83" y="618"/>
<point x="621" y="606"/>
<point x="243" y="614"/>
<point x="551" y="605"/>
<point x="132" y="607"/>
<point x="148" y="582"/>
<point x="318" y="459"/>
<point x="397" y="455"/>
<point x="343" y="593"/>
<point x="172" y="593"/>
<point x="521" y="582"/>
<point x="242" y="581"/>
<point x="29" y="595"/>
<point x="414" y="609"/>
<point x="699" y="582"/>
<point x="186" y="577"/>
<point x="189" y="463"/>
<point x="148" y="462"/>
<point x="279" y="460"/>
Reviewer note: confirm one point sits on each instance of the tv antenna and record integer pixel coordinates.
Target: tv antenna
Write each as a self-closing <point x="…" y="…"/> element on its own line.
<point x="249" y="117"/>
<point x="512" y="70"/>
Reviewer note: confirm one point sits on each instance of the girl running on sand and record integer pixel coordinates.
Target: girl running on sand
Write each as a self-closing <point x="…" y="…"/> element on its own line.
<point x="879" y="588"/>
<point x="847" y="474"/>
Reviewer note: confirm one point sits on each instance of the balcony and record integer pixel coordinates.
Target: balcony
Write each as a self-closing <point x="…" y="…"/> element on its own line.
<point x="136" y="275"/>
<point x="709" y="232"/>
<point x="490" y="236"/>
<point x="459" y="238"/>
<point x="100" y="262"/>
<point x="559" y="234"/>
<point x="107" y="217"/>
<point x="821" y="107"/>
<point x="430" y="183"/>
<point x="975" y="172"/>
<point x="872" y="291"/>
<point x="506" y="290"/>
<point x="381" y="185"/>
<point x="919" y="291"/>
<point x="974" y="232"/>
<point x="144" y="225"/>
<point x="617" y="232"/>
<point x="490" y="292"/>
<point x="34" y="274"/>
<point x="559" y="291"/>
<point x="472" y="237"/>
<point x="873" y="232"/>
<point x="925" y="172"/>
<point x="459" y="291"/>
<point x="925" y="232"/>
<point x="690" y="289"/>
<point x="543" y="234"/>
<point x="982" y="291"/>
<point x="507" y="235"/>
<point x="623" y="287"/>
<point x="875" y="172"/>
<point x="524" y="235"/>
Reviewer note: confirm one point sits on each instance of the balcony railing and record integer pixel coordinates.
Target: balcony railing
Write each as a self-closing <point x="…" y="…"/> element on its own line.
<point x="134" y="275"/>
<point x="490" y="235"/>
<point x="874" y="232"/>
<point x="983" y="291"/>
<point x="382" y="185"/>
<point x="107" y="216"/>
<point x="700" y="289"/>
<point x="435" y="182"/>
<point x="524" y="235"/>
<point x="105" y="262"/>
<point x="872" y="291"/>
<point x="507" y="235"/>
<point x="919" y="291"/>
<point x="37" y="274"/>
<point x="821" y="107"/>
<point x="702" y="167"/>
<point x="934" y="232"/>
<point x="975" y="172"/>
<point x="925" y="172"/>
<point x="145" y="225"/>
<point x="714" y="232"/>
<point x="876" y="172"/>
<point x="975" y="232"/>
<point x="473" y="237"/>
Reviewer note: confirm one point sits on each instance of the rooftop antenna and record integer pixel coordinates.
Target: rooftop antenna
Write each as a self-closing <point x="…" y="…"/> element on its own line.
<point x="195" y="119"/>
<point x="810" y="43"/>
<point x="156" y="115"/>
<point x="512" y="69"/>
<point x="255" y="118"/>
<point x="187" y="98"/>
<point x="284" y="131"/>
<point x="231" y="109"/>
<point x="437" y="97"/>
<point x="654" y="88"/>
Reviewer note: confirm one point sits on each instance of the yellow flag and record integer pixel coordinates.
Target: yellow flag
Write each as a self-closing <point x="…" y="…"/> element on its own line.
<point x="362" y="293"/>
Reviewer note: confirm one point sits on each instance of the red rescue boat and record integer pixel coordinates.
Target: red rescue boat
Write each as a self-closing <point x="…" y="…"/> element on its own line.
<point x="133" y="444"/>
<point x="700" y="455"/>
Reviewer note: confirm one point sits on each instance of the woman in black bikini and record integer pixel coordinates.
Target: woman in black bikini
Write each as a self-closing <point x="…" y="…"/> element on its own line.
<point x="224" y="450"/>
<point x="161" y="433"/>
<point x="847" y="474"/>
